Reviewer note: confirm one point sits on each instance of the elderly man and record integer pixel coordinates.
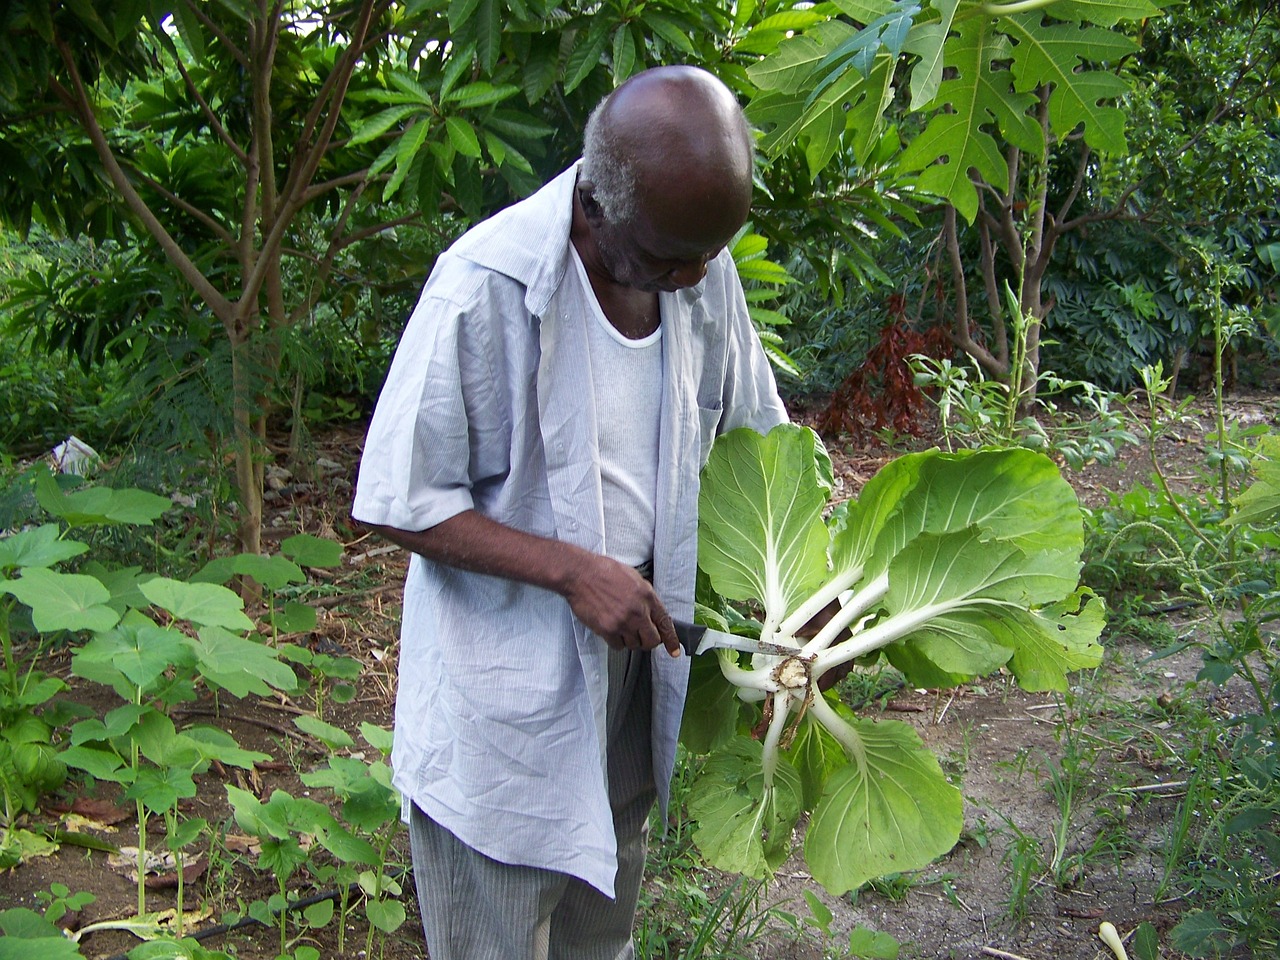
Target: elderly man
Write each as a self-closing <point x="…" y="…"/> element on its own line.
<point x="537" y="447"/>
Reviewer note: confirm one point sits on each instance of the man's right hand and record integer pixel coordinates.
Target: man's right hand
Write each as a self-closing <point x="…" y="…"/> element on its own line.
<point x="609" y="597"/>
<point x="619" y="605"/>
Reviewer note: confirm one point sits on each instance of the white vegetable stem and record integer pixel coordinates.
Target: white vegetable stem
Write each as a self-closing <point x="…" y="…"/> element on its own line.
<point x="836" y="725"/>
<point x="759" y="679"/>
<point x="1108" y="934"/>
<point x="828" y="592"/>
<point x="859" y="603"/>
<point x="777" y="723"/>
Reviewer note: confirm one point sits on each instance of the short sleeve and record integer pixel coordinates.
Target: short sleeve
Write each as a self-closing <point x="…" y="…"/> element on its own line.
<point x="416" y="469"/>
<point x="750" y="390"/>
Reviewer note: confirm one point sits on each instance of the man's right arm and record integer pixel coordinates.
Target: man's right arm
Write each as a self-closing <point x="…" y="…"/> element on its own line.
<point x="610" y="598"/>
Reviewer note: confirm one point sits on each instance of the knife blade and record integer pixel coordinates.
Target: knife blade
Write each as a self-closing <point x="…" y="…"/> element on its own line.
<point x="697" y="639"/>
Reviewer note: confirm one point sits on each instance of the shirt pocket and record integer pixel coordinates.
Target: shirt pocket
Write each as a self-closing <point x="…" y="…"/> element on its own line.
<point x="708" y="425"/>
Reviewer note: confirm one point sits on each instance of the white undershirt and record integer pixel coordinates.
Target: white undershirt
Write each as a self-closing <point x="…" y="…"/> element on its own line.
<point x="627" y="375"/>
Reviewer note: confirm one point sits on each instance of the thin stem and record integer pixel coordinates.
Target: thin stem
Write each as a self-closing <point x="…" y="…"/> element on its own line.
<point x="1158" y="471"/>
<point x="6" y="641"/>
<point x="284" y="917"/>
<point x="1220" y="419"/>
<point x="135" y="755"/>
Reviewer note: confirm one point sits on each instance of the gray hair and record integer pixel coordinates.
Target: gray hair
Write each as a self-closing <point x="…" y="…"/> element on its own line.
<point x="607" y="165"/>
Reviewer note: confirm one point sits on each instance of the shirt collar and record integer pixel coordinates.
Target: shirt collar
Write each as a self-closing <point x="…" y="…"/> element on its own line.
<point x="528" y="241"/>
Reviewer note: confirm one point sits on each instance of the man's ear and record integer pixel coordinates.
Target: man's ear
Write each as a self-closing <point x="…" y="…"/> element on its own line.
<point x="591" y="208"/>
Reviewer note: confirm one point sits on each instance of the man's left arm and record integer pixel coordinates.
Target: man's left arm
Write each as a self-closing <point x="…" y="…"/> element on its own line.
<point x="750" y="390"/>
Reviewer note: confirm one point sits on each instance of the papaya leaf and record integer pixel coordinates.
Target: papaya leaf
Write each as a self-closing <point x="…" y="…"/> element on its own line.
<point x="1054" y="56"/>
<point x="980" y="96"/>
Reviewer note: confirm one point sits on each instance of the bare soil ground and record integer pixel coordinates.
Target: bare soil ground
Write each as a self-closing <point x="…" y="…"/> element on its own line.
<point x="1002" y="745"/>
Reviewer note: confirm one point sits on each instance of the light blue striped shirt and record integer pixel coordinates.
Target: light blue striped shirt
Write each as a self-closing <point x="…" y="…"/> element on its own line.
<point x="500" y="712"/>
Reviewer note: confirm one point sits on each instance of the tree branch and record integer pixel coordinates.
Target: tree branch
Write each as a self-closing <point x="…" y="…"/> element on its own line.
<point x="962" y="331"/>
<point x="220" y="231"/>
<point x="1076" y="185"/>
<point x="212" y="27"/>
<point x="315" y="191"/>
<point x="293" y="196"/>
<point x="1116" y="212"/>
<point x="988" y="266"/>
<point x="214" y="123"/>
<point x="222" y="307"/>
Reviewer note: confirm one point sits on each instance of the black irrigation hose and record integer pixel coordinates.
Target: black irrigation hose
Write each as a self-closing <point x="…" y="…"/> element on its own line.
<point x="218" y="929"/>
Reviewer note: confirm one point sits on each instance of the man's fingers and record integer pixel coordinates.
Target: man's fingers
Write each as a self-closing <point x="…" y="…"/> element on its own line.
<point x="667" y="630"/>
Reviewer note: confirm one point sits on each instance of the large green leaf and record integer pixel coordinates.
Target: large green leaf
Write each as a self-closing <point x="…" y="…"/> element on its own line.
<point x="711" y="708"/>
<point x="761" y="534"/>
<point x="858" y="526"/>
<point x="139" y="652"/>
<point x="586" y="53"/>
<point x="888" y="811"/>
<point x="205" y="604"/>
<point x="945" y="571"/>
<point x="121" y="582"/>
<point x="99" y="505"/>
<point x="215" y="744"/>
<point x="63" y="601"/>
<point x="926" y="42"/>
<point x="1106" y="13"/>
<point x="948" y="650"/>
<point x="1052" y="56"/>
<point x="1016" y="495"/>
<point x="273" y="573"/>
<point x="980" y="96"/>
<point x="241" y="666"/>
<point x="1260" y="503"/>
<point x="789" y="70"/>
<point x="29" y="936"/>
<point x="816" y="755"/>
<point x="40" y="546"/>
<point x="1050" y="642"/>
<point x="739" y="827"/>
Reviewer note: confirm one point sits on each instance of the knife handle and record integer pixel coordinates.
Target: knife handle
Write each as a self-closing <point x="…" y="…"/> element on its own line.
<point x="688" y="634"/>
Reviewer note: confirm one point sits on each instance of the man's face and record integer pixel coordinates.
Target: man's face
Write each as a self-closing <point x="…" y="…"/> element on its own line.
<point x="637" y="255"/>
<point x="668" y="244"/>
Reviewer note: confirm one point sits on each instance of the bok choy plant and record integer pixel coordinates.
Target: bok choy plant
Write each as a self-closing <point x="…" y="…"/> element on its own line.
<point x="949" y="565"/>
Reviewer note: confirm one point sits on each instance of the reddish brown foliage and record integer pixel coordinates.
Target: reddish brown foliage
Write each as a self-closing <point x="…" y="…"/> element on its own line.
<point x="881" y="393"/>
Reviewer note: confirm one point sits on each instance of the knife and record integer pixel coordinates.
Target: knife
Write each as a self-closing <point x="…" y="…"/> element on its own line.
<point x="696" y="639"/>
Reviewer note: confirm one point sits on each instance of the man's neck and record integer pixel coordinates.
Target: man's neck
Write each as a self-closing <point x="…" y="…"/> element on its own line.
<point x="633" y="313"/>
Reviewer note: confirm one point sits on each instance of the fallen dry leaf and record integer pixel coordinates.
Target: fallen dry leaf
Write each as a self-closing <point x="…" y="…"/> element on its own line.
<point x="239" y="843"/>
<point x="169" y="881"/>
<point x="94" y="811"/>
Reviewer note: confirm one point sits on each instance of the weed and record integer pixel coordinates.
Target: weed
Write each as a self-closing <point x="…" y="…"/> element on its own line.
<point x="1026" y="863"/>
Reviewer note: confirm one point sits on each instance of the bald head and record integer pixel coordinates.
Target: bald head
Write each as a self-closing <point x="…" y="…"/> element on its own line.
<point x="670" y="140"/>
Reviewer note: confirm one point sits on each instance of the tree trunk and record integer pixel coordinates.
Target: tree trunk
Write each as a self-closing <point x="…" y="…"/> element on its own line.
<point x="249" y="448"/>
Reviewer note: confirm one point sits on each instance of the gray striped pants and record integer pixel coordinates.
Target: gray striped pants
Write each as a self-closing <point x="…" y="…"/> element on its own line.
<point x="475" y="908"/>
